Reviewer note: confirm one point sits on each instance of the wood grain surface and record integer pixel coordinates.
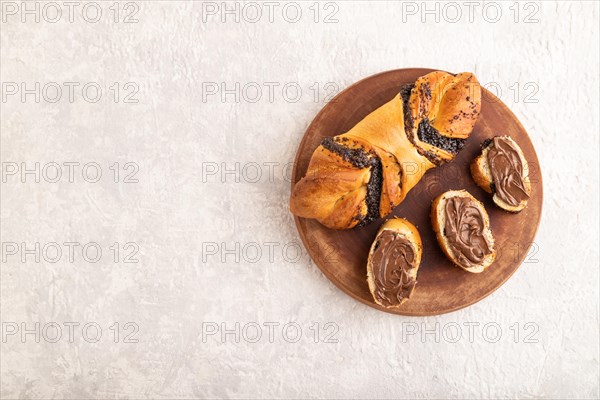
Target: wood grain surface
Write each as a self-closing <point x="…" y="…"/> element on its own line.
<point x="441" y="286"/>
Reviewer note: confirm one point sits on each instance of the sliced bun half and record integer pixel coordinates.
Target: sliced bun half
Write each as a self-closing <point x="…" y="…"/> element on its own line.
<point x="502" y="170"/>
<point x="462" y="227"/>
<point x="393" y="262"/>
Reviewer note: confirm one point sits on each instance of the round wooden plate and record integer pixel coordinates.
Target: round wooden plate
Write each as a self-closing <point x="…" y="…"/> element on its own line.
<point x="441" y="286"/>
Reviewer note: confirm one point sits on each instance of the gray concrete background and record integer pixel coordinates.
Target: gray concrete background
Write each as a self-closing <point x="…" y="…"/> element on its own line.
<point x="199" y="254"/>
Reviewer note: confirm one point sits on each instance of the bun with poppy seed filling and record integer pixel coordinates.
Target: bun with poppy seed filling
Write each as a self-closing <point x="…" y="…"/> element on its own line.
<point x="359" y="176"/>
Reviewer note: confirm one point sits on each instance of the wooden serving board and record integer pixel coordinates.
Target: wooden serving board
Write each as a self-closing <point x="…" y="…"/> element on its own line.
<point x="441" y="286"/>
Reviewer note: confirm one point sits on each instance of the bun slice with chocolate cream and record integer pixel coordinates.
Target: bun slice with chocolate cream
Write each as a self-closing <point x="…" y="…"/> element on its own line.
<point x="393" y="262"/>
<point x="462" y="227"/>
<point x="502" y="170"/>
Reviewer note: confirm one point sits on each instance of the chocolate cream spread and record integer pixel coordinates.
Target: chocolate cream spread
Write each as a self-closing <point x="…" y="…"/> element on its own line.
<point x="464" y="231"/>
<point x="507" y="171"/>
<point x="392" y="260"/>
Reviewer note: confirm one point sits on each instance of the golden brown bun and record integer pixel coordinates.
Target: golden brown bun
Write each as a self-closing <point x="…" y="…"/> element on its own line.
<point x="480" y="170"/>
<point x="385" y="150"/>
<point x="438" y="221"/>
<point x="410" y="232"/>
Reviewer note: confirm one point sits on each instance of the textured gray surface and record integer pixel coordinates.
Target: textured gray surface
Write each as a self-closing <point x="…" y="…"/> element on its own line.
<point x="182" y="216"/>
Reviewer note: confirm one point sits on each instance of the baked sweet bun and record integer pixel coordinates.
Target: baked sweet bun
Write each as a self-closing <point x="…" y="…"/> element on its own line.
<point x="462" y="227"/>
<point x="502" y="170"/>
<point x="393" y="262"/>
<point x="361" y="175"/>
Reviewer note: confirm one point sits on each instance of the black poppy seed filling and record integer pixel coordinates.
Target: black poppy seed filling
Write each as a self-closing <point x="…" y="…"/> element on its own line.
<point x="357" y="157"/>
<point x="360" y="158"/>
<point x="405" y="92"/>
<point x="373" y="191"/>
<point x="428" y="134"/>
